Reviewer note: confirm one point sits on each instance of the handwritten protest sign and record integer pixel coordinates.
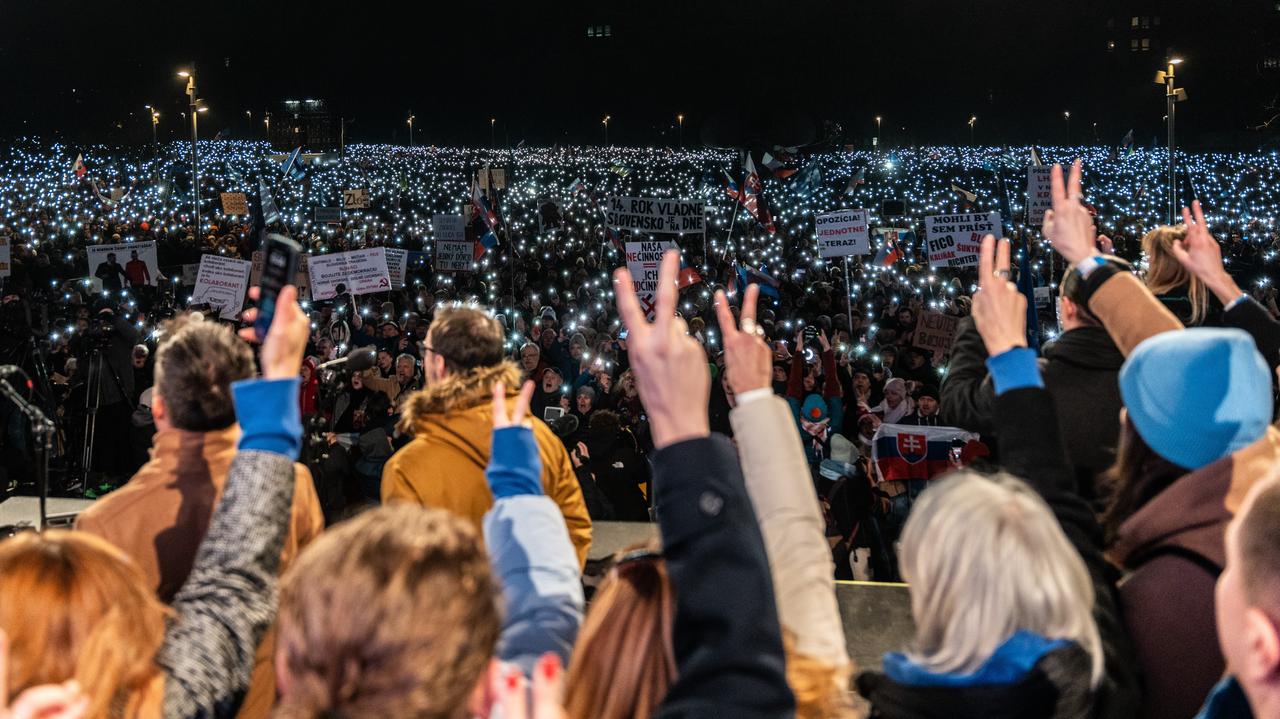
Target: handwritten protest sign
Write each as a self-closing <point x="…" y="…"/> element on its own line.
<point x="1038" y="197"/>
<point x="842" y="233"/>
<point x="955" y="240"/>
<point x="643" y="260"/>
<point x="935" y="332"/>
<point x="359" y="272"/>
<point x="221" y="283"/>
<point x="650" y="214"/>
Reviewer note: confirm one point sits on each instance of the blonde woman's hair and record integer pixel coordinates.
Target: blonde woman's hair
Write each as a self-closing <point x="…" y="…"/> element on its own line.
<point x="74" y="607"/>
<point x="985" y="557"/>
<point x="624" y="662"/>
<point x="391" y="614"/>
<point x="1165" y="274"/>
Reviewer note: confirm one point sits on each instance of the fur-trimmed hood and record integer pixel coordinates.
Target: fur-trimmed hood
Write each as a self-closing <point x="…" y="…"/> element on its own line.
<point x="458" y="392"/>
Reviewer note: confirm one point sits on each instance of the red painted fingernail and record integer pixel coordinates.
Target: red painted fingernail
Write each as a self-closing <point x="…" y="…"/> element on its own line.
<point x="513" y="679"/>
<point x="550" y="665"/>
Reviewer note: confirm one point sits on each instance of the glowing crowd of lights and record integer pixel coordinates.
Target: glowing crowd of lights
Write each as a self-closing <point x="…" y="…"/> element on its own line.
<point x="46" y="209"/>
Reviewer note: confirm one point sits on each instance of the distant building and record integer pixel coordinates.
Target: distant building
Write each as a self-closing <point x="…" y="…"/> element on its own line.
<point x="303" y="122"/>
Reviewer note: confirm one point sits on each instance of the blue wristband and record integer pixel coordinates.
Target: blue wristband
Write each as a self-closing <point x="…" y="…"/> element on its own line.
<point x="1234" y="303"/>
<point x="514" y="465"/>
<point x="1014" y="369"/>
<point x="270" y="415"/>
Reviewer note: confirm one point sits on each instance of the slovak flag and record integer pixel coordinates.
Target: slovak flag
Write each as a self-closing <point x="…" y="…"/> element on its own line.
<point x="292" y="166"/>
<point x="752" y="200"/>
<point x="889" y="253"/>
<point x="858" y="178"/>
<point x="480" y="204"/>
<point x="78" y="167"/>
<point x="748" y="275"/>
<point x="731" y="187"/>
<point x="688" y="276"/>
<point x="908" y="452"/>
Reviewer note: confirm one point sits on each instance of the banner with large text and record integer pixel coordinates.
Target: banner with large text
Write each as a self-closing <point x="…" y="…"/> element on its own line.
<point x="359" y="272"/>
<point x="221" y="283"/>
<point x="643" y="261"/>
<point x="651" y="214"/>
<point x="1038" y="197"/>
<point x="842" y="233"/>
<point x="955" y="240"/>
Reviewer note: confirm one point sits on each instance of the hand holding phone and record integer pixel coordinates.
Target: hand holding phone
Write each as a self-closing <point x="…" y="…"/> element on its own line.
<point x="279" y="265"/>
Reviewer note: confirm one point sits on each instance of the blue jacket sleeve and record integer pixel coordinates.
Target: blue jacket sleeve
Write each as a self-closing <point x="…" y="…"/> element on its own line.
<point x="269" y="415"/>
<point x="514" y="465"/>
<point x="727" y="639"/>
<point x="530" y="551"/>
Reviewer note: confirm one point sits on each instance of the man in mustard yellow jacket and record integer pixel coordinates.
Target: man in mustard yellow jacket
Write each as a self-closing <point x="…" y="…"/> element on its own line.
<point x="451" y="422"/>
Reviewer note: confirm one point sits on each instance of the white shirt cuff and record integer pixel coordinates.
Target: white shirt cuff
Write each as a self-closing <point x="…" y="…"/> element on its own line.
<point x="753" y="394"/>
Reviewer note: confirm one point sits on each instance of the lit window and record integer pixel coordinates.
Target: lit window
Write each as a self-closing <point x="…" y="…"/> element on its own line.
<point x="608" y="31"/>
<point x="1134" y="21"/>
<point x="1146" y="44"/>
<point x="591" y="31"/>
<point x="1133" y="45"/>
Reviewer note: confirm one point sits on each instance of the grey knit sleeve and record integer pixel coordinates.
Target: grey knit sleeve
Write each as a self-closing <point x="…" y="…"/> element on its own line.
<point x="229" y="600"/>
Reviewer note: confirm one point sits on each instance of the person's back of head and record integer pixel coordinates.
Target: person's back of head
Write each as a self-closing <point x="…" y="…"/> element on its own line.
<point x="462" y="339"/>
<point x="196" y="363"/>
<point x="1014" y="571"/>
<point x="391" y="614"/>
<point x="623" y="661"/>
<point x="73" y="607"/>
<point x="1248" y="598"/>
<point x="1166" y="275"/>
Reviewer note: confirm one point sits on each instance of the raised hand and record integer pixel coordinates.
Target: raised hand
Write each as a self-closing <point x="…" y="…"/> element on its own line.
<point x="286" y="340"/>
<point x="747" y="359"/>
<point x="670" y="366"/>
<point x="514" y="698"/>
<point x="999" y="309"/>
<point x="517" y="418"/>
<point x="1202" y="255"/>
<point x="47" y="701"/>
<point x="1068" y="226"/>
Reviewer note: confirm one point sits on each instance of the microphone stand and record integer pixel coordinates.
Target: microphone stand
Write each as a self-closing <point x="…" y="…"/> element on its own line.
<point x="43" y="430"/>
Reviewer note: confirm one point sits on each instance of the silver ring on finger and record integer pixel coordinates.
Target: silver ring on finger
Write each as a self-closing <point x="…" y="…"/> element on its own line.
<point x="1003" y="274"/>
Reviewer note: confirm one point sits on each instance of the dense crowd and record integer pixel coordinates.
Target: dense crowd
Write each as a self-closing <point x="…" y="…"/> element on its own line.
<point x="1093" y="538"/>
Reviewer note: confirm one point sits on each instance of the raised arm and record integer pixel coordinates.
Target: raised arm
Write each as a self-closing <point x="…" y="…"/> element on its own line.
<point x="1032" y="449"/>
<point x="228" y="600"/>
<point x="1125" y="306"/>
<point x="726" y="638"/>
<point x="781" y="491"/>
<point x="528" y="545"/>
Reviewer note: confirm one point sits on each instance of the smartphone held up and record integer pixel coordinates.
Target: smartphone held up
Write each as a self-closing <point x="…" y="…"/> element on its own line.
<point x="279" y="265"/>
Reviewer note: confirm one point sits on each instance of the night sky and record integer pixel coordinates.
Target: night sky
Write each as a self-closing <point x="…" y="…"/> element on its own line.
<point x="758" y="72"/>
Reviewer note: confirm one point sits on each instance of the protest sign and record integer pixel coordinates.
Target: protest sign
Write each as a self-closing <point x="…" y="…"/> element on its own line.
<point x="127" y="264"/>
<point x="935" y="332"/>
<point x="331" y="215"/>
<point x="648" y="214"/>
<point x="190" y="272"/>
<point x="449" y="228"/>
<point x="221" y="283"/>
<point x="357" y="199"/>
<point x="234" y="203"/>
<point x="395" y="266"/>
<point x="842" y="233"/>
<point x="1038" y="197"/>
<point x="643" y="260"/>
<point x="5" y="257"/>
<point x="499" y="178"/>
<point x="1044" y="297"/>
<point x="955" y="240"/>
<point x="454" y="256"/>
<point x="302" y="280"/>
<point x="359" y="272"/>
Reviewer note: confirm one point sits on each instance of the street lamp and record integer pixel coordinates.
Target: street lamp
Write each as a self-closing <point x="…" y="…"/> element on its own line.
<point x="266" y="120"/>
<point x="1172" y="96"/>
<point x="411" y="128"/>
<point x="878" y="119"/>
<point x="190" y="77"/>
<point x="605" y="121"/>
<point x="680" y="125"/>
<point x="973" y="120"/>
<point x="492" y="121"/>
<point x="155" y="120"/>
<point x="1067" y="116"/>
